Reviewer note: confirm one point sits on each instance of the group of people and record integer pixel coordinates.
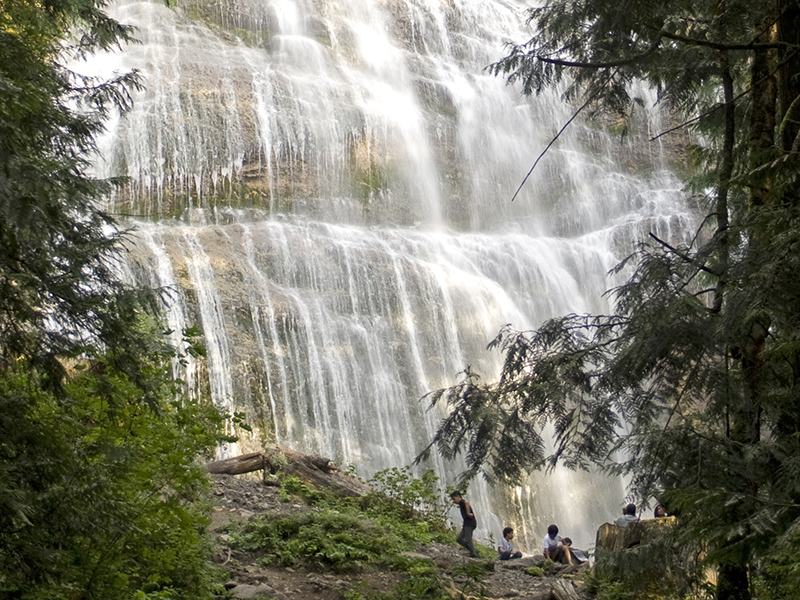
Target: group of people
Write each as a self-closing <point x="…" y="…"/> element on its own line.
<point x="629" y="514"/>
<point x="555" y="547"/>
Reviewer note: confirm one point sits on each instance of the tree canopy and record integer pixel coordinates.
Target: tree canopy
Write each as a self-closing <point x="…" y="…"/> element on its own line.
<point x="99" y="485"/>
<point x="59" y="293"/>
<point x="691" y="386"/>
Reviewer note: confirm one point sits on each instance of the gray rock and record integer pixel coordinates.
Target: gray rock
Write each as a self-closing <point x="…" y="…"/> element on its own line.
<point x="245" y="592"/>
<point x="415" y="555"/>
<point x="521" y="563"/>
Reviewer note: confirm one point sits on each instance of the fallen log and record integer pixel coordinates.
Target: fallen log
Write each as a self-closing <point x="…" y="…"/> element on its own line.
<point x="236" y="465"/>
<point x="321" y="472"/>
<point x="314" y="470"/>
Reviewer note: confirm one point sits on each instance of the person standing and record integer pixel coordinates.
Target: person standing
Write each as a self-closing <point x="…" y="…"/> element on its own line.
<point x="470" y="523"/>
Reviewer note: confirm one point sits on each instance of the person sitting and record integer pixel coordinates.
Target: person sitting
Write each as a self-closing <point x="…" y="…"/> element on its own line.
<point x="660" y="511"/>
<point x="628" y="516"/>
<point x="554" y="549"/>
<point x="578" y="556"/>
<point x="505" y="551"/>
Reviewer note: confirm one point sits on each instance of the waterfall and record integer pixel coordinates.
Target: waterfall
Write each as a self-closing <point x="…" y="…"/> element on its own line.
<point x="327" y="185"/>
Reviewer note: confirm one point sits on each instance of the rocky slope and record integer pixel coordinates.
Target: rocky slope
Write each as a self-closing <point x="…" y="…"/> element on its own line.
<point x="241" y="498"/>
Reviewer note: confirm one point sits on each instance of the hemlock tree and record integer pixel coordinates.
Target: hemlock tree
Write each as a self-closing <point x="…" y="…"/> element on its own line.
<point x="695" y="376"/>
<point x="98" y="484"/>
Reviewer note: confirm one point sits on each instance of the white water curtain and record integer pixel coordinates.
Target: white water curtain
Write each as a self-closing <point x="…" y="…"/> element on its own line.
<point x="341" y="174"/>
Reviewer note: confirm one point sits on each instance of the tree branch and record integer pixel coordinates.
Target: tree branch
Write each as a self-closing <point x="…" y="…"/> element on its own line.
<point x="560" y="131"/>
<point x="682" y="255"/>
<point x="602" y="65"/>
<point x="725" y="47"/>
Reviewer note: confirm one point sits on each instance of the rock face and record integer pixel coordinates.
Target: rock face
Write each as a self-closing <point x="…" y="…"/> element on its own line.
<point x="614" y="538"/>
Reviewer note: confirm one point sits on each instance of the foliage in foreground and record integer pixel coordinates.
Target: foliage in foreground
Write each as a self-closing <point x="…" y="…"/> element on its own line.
<point x="660" y="567"/>
<point x="346" y="533"/>
<point x="98" y="483"/>
<point x="693" y="379"/>
<point x="100" y="495"/>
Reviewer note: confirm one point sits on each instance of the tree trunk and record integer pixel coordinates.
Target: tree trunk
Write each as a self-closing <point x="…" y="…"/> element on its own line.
<point x="246" y="463"/>
<point x="788" y="30"/>
<point x="732" y="582"/>
<point x="763" y="116"/>
<point x="314" y="470"/>
<point x="563" y="589"/>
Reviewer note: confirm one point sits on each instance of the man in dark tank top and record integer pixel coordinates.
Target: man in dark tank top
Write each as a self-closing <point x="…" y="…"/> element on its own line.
<point x="470" y="523"/>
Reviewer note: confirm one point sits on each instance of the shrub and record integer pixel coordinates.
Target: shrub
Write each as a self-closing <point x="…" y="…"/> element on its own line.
<point x="398" y="492"/>
<point x="348" y="533"/>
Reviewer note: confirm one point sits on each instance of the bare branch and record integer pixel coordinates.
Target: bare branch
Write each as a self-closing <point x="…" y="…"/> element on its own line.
<point x="562" y="130"/>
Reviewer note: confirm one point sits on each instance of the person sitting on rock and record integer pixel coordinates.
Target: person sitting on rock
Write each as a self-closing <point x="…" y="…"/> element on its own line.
<point x="554" y="549"/>
<point x="505" y="551"/>
<point x="628" y="516"/>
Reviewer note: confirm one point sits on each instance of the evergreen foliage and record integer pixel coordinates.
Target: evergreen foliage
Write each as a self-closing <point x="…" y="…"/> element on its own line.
<point x="100" y="496"/>
<point x="99" y="485"/>
<point x="691" y="386"/>
<point x="59" y="293"/>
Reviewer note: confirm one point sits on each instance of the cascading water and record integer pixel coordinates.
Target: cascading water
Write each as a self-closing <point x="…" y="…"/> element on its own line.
<point x="342" y="172"/>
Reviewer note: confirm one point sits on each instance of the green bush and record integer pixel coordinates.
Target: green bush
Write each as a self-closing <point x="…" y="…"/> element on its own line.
<point x="398" y="492"/>
<point x="604" y="588"/>
<point x="292" y="487"/>
<point x="664" y="567"/>
<point x="328" y="538"/>
<point x="101" y="495"/>
<point x="347" y="533"/>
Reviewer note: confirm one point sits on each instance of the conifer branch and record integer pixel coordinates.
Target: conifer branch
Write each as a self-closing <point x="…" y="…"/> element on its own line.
<point x="682" y="255"/>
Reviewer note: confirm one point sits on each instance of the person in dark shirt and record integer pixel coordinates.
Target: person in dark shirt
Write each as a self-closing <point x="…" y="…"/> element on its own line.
<point x="470" y="523"/>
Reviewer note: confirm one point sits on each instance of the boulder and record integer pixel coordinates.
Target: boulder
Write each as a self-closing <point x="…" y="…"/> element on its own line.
<point x="615" y="538"/>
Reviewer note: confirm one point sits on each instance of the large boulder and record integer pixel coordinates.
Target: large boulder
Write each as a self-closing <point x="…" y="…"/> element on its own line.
<point x="615" y="538"/>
